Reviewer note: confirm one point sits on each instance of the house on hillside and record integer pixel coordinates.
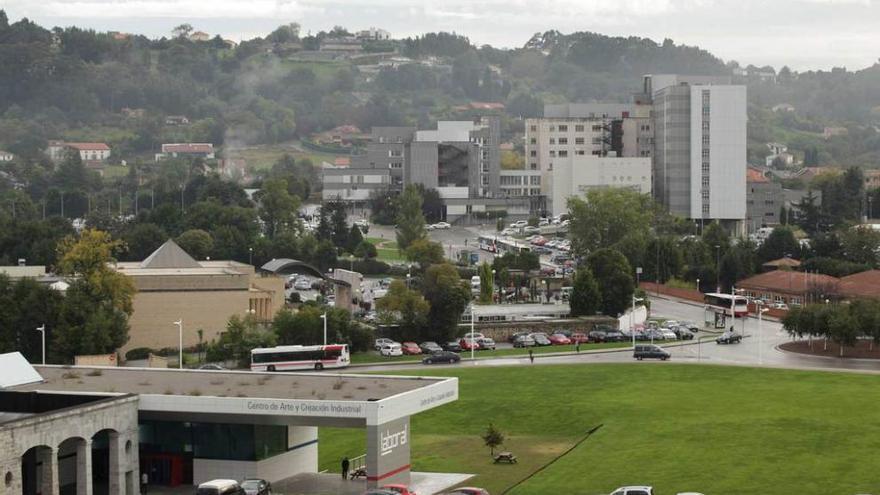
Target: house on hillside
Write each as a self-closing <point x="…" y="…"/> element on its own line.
<point x="195" y="150"/>
<point x="88" y="152"/>
<point x="176" y="120"/>
<point x="6" y="156"/>
<point x="199" y="36"/>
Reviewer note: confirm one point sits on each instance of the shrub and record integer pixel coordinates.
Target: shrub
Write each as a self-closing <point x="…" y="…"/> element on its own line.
<point x="138" y="353"/>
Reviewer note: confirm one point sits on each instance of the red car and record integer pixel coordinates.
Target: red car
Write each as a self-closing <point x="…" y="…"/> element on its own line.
<point x="468" y="344"/>
<point x="559" y="339"/>
<point x="579" y="338"/>
<point x="410" y="348"/>
<point x="401" y="489"/>
<point x="467" y="490"/>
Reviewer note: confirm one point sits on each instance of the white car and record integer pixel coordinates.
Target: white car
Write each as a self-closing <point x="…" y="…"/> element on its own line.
<point x="302" y="284"/>
<point x="543" y="222"/>
<point x="519" y="224"/>
<point x="474" y="335"/>
<point x="382" y="342"/>
<point x="441" y="226"/>
<point x="668" y="334"/>
<point x="634" y="490"/>
<point x="393" y="349"/>
<point x="531" y="230"/>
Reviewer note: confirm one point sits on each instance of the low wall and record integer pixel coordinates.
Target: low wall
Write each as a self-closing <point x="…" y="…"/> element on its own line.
<point x="501" y="331"/>
<point x="689" y="294"/>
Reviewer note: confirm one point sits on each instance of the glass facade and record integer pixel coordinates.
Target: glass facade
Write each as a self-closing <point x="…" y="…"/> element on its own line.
<point x="237" y="442"/>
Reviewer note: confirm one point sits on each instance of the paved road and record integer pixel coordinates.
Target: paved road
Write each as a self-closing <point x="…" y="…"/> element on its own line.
<point x="758" y="349"/>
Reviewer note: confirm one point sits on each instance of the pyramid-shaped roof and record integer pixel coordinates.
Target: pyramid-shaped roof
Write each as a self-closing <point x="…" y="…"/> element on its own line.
<point x="170" y="255"/>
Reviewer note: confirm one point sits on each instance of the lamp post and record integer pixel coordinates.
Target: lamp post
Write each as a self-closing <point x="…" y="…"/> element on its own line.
<point x="251" y="256"/>
<point x="718" y="268"/>
<point x="761" y="310"/>
<point x="493" y="286"/>
<point x="324" y="317"/>
<point x="472" y="334"/>
<point x="632" y="315"/>
<point x="42" y="330"/>
<point x="179" y="324"/>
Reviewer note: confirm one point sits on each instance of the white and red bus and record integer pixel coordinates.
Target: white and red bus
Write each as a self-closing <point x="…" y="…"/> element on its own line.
<point x="721" y="303"/>
<point x="487" y="244"/>
<point x="300" y="357"/>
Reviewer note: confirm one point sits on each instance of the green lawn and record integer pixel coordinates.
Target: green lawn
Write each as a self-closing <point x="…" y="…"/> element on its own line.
<point x="375" y="357"/>
<point x="265" y="155"/>
<point x="388" y="252"/>
<point x="713" y="429"/>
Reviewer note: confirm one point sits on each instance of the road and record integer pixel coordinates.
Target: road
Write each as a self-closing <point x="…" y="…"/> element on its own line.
<point x="757" y="349"/>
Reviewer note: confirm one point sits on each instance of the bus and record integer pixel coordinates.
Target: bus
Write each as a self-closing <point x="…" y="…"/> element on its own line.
<point x="721" y="303"/>
<point x="300" y="357"/>
<point x="487" y="244"/>
<point x="504" y="246"/>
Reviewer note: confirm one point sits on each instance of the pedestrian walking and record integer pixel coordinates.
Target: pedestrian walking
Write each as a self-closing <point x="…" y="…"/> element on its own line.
<point x="577" y="347"/>
<point x="531" y="356"/>
<point x="345" y="466"/>
<point x="144" y="481"/>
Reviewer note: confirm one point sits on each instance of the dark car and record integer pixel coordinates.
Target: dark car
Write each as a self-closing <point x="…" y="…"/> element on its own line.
<point x="614" y="336"/>
<point x="441" y="357"/>
<point x="683" y="333"/>
<point x="452" y="346"/>
<point x="430" y="347"/>
<point x="540" y="339"/>
<point x="729" y="337"/>
<point x="257" y="487"/>
<point x="650" y="351"/>
<point x="524" y="341"/>
<point x="212" y="367"/>
<point x="515" y="336"/>
<point x="597" y="336"/>
<point x="467" y="490"/>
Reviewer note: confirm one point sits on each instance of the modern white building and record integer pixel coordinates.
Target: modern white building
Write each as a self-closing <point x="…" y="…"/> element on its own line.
<point x="577" y="175"/>
<point x="699" y="146"/>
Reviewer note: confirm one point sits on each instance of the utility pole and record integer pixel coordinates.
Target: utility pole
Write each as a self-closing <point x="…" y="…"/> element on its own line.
<point x="42" y="330"/>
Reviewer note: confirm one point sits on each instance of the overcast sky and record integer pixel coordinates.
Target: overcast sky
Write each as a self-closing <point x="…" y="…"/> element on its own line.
<point x="803" y="34"/>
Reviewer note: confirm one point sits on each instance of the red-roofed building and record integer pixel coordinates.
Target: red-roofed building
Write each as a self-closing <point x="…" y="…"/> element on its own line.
<point x="88" y="152"/>
<point x="789" y="287"/>
<point x="860" y="285"/>
<point x="175" y="150"/>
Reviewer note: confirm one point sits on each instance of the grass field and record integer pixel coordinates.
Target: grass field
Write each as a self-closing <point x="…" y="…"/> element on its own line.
<point x="374" y="357"/>
<point x="264" y="156"/>
<point x="713" y="429"/>
<point x="388" y="252"/>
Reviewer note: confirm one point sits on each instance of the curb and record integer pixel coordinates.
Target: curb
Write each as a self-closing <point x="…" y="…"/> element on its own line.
<point x="831" y="358"/>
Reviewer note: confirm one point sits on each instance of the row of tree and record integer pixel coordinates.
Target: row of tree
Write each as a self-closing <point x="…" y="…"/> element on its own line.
<point x="843" y="324"/>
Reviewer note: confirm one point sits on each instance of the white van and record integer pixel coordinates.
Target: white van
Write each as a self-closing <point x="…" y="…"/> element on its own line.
<point x="220" y="487"/>
<point x="475" y="283"/>
<point x="392" y="349"/>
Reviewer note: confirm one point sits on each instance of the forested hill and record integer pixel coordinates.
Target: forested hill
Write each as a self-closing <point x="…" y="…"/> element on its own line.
<point x="118" y="88"/>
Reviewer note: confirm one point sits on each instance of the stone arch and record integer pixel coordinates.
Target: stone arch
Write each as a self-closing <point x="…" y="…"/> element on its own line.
<point x="38" y="470"/>
<point x="102" y="443"/>
<point x="74" y="457"/>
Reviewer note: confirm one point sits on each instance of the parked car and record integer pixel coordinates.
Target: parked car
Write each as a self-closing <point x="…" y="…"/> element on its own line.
<point x="212" y="367"/>
<point x="780" y="305"/>
<point x="614" y="336"/>
<point x="531" y="230"/>
<point x="473" y="335"/>
<point x="452" y="346"/>
<point x="382" y="341"/>
<point x="410" y="348"/>
<point x="399" y="489"/>
<point x="467" y="490"/>
<point x="693" y="327"/>
<point x="541" y="250"/>
<point x="393" y="349"/>
<point x="729" y="337"/>
<point x="597" y="336"/>
<point x="515" y="336"/>
<point x="379" y="491"/>
<point x="559" y="339"/>
<point x="468" y="344"/>
<point x="650" y="351"/>
<point x="257" y="487"/>
<point x="671" y="323"/>
<point x="540" y="338"/>
<point x="667" y="334"/>
<point x="220" y="487"/>
<point x="519" y="224"/>
<point x="683" y="333"/>
<point x="430" y="347"/>
<point x="441" y="357"/>
<point x="486" y="344"/>
<point x="302" y="284"/>
<point x="441" y="226"/>
<point x="524" y="341"/>
<point x="579" y="338"/>
<point x="634" y="490"/>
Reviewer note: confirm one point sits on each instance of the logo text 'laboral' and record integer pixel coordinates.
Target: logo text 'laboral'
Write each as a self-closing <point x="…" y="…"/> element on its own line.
<point x="392" y="440"/>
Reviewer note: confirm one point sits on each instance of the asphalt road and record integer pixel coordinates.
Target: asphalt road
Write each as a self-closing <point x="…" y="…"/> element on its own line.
<point x="757" y="349"/>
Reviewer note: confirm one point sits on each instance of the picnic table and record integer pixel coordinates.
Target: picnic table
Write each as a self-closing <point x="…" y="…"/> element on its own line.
<point x="505" y="457"/>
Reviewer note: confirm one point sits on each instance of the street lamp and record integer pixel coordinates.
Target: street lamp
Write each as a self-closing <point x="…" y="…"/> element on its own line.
<point x="761" y="310"/>
<point x="251" y="256"/>
<point x="493" y="286"/>
<point x="472" y="341"/>
<point x="632" y="315"/>
<point x="179" y="324"/>
<point x="324" y="317"/>
<point x="718" y="268"/>
<point x="42" y="330"/>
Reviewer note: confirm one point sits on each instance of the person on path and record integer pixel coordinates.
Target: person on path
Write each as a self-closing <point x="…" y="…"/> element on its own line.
<point x="345" y="466"/>
<point x="531" y="356"/>
<point x="144" y="481"/>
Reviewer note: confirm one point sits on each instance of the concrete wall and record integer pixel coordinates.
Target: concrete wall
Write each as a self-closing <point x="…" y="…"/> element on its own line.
<point x="575" y="175"/>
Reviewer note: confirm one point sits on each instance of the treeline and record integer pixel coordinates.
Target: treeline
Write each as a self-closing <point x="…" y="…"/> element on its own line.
<point x="843" y="324"/>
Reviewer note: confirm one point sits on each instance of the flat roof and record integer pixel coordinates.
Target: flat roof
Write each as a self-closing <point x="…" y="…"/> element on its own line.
<point x="169" y="381"/>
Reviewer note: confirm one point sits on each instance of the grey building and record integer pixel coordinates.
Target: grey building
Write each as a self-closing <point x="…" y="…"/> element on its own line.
<point x="380" y="167"/>
<point x="699" y="146"/>
<point x="764" y="201"/>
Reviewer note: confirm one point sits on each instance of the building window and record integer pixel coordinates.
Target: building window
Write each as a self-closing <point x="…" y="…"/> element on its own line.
<point x="552" y="140"/>
<point x="535" y="180"/>
<point x="531" y="141"/>
<point x="395" y="153"/>
<point x="533" y="153"/>
<point x="534" y="166"/>
<point x="578" y="140"/>
<point x="563" y="128"/>
<point x="579" y="128"/>
<point x="563" y="140"/>
<point x="533" y="128"/>
<point x="579" y="152"/>
<point x="395" y="165"/>
<point x="597" y="128"/>
<point x="552" y="128"/>
<point x="563" y="153"/>
<point x="553" y="153"/>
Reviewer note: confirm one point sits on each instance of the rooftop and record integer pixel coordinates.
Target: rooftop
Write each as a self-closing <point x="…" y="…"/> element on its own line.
<point x="789" y="281"/>
<point x="161" y="381"/>
<point x="188" y="148"/>
<point x="863" y="284"/>
<point x="89" y="146"/>
<point x="782" y="262"/>
<point x="755" y="175"/>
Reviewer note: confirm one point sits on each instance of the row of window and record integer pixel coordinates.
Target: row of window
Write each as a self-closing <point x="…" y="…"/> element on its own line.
<point x="518" y="180"/>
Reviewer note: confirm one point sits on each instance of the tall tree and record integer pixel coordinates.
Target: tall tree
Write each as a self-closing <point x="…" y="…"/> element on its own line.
<point x="277" y="207"/>
<point x="615" y="279"/>
<point x="448" y="298"/>
<point x="780" y="243"/>
<point x="586" y="298"/>
<point x="407" y="309"/>
<point x="605" y="216"/>
<point x="410" y="219"/>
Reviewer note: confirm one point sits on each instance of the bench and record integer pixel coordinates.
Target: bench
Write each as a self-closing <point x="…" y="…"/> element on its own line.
<point x="505" y="457"/>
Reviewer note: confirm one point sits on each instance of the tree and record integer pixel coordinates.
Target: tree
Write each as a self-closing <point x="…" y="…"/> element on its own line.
<point x="432" y="204"/>
<point x="663" y="259"/>
<point x="196" y="242"/>
<point x="809" y="213"/>
<point x="487" y="282"/>
<point x="366" y="250"/>
<point x="355" y="238"/>
<point x="780" y="243"/>
<point x="89" y="257"/>
<point x="241" y="335"/>
<point x="410" y="220"/>
<point x="842" y="327"/>
<point x="339" y="223"/>
<point x="384" y="206"/>
<point x="492" y="438"/>
<point x="141" y="239"/>
<point x="736" y="264"/>
<point x="860" y="244"/>
<point x="182" y="31"/>
<point x="425" y="252"/>
<point x="277" y="207"/>
<point x="605" y="216"/>
<point x="448" y="297"/>
<point x="615" y="279"/>
<point x="26" y="304"/>
<point x="585" y="297"/>
<point x="407" y="309"/>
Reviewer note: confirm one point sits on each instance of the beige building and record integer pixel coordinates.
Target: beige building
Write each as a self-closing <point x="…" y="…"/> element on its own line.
<point x="172" y="286"/>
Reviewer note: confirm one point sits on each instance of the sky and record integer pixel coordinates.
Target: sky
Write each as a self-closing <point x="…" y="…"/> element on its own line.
<point x="803" y="34"/>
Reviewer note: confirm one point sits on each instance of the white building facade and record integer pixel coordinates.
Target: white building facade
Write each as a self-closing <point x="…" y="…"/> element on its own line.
<point x="577" y="175"/>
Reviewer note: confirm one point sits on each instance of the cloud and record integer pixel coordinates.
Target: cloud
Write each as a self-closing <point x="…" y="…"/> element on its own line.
<point x="187" y="9"/>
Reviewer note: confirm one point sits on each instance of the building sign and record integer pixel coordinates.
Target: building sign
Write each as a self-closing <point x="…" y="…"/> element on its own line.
<point x="338" y="409"/>
<point x="388" y="441"/>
